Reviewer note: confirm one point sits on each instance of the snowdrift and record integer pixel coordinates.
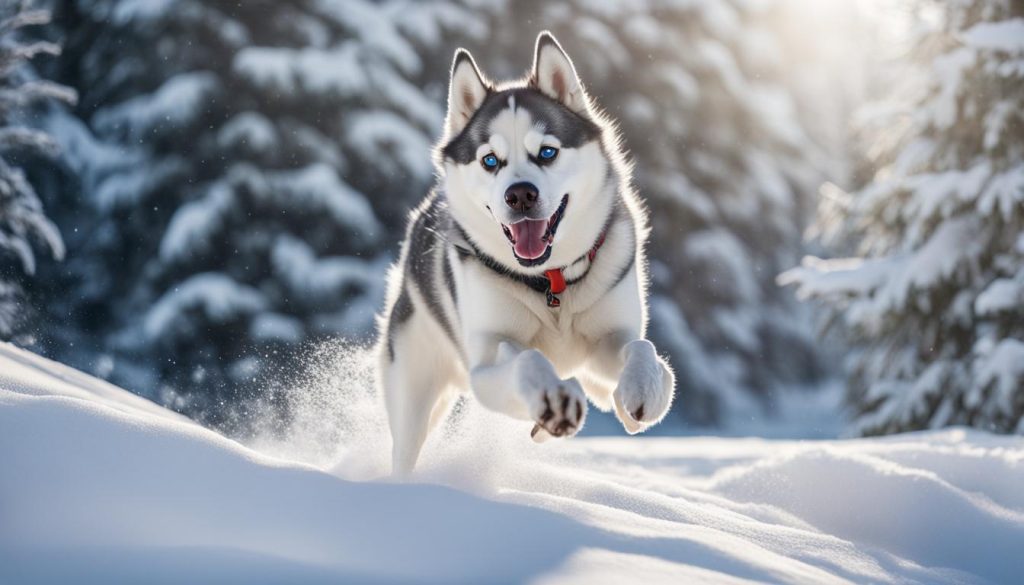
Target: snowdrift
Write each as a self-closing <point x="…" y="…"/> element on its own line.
<point x="98" y="485"/>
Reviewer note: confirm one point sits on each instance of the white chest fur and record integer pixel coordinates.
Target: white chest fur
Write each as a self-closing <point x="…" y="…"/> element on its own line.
<point x="602" y="296"/>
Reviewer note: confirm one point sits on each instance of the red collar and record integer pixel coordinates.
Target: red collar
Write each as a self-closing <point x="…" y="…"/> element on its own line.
<point x="556" y="280"/>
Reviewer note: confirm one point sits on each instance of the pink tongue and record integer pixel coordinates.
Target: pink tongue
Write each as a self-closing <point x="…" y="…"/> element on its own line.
<point x="528" y="234"/>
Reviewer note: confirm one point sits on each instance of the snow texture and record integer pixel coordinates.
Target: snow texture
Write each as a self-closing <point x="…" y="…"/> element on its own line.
<point x="219" y="298"/>
<point x="319" y="279"/>
<point x="890" y="282"/>
<point x="174" y="104"/>
<point x="1007" y="36"/>
<point x="120" y="490"/>
<point x="194" y="223"/>
<point x="317" y="187"/>
<point x="334" y="72"/>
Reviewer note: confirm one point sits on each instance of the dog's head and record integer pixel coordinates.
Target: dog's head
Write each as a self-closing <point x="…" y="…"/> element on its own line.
<point x="523" y="164"/>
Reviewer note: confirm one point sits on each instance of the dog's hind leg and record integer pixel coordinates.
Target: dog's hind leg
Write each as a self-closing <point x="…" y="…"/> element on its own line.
<point x="416" y="380"/>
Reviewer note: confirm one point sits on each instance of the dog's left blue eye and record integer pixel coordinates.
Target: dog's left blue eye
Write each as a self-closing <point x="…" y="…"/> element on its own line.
<point x="489" y="161"/>
<point x="548" y="153"/>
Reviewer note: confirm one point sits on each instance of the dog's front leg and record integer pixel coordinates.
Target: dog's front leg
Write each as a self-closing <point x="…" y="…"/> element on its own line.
<point x="523" y="384"/>
<point x="646" y="383"/>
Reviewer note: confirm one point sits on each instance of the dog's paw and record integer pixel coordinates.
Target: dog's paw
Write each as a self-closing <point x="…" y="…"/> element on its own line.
<point x="645" y="389"/>
<point x="558" y="410"/>
<point x="558" y="407"/>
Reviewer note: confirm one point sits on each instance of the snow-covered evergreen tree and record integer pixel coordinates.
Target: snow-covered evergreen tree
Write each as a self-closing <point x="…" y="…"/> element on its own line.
<point x="244" y="167"/>
<point x="935" y="301"/>
<point x="24" y="226"/>
<point x="699" y="91"/>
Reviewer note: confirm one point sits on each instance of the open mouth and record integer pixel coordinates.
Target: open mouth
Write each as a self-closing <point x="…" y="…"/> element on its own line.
<point x="531" y="238"/>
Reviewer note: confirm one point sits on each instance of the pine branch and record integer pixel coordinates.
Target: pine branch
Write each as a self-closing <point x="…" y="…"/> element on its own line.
<point x="24" y="18"/>
<point x="18" y="53"/>
<point x="27" y="139"/>
<point x="34" y="91"/>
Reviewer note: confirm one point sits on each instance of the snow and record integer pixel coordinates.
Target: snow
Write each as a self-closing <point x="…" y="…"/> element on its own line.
<point x="195" y="223"/>
<point x="888" y="284"/>
<point x="817" y="277"/>
<point x="371" y="23"/>
<point x="952" y="245"/>
<point x="217" y="296"/>
<point x="23" y="221"/>
<point x="1006" y="35"/>
<point x="276" y="327"/>
<point x="1005" y="193"/>
<point x="251" y="129"/>
<point x="684" y="85"/>
<point x="317" y="188"/>
<point x="949" y="71"/>
<point x="1002" y="366"/>
<point x="320" y="279"/>
<point x="120" y="490"/>
<point x="939" y="194"/>
<point x="996" y="122"/>
<point x="408" y="99"/>
<point x="721" y="253"/>
<point x="1003" y="294"/>
<point x="335" y="72"/>
<point x="11" y="310"/>
<point x="427" y="23"/>
<point x="134" y="185"/>
<point x="178" y="102"/>
<point x="142" y="11"/>
<point x="385" y="136"/>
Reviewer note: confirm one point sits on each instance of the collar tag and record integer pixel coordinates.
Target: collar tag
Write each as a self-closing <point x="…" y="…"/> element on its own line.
<point x="556" y="285"/>
<point x="553" y="301"/>
<point x="556" y="280"/>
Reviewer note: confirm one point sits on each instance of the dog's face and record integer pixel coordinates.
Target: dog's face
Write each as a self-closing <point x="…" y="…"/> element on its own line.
<point x="523" y="166"/>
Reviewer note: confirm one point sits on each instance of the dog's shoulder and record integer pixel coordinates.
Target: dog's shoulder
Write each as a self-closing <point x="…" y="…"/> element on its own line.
<point x="425" y="263"/>
<point x="431" y="213"/>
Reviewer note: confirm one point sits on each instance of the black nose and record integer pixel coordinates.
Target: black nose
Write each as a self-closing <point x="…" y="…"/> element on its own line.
<point x="521" y="196"/>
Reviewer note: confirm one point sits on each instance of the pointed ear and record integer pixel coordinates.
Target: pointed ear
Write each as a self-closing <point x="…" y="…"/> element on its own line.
<point x="554" y="75"/>
<point x="466" y="92"/>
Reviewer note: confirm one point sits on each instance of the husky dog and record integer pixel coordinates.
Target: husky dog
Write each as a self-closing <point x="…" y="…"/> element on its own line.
<point x="522" y="276"/>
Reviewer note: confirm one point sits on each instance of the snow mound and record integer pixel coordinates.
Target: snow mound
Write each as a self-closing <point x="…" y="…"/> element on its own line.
<point x="120" y="490"/>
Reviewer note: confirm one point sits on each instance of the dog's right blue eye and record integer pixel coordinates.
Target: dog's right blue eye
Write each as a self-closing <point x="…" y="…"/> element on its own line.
<point x="548" y="153"/>
<point x="489" y="161"/>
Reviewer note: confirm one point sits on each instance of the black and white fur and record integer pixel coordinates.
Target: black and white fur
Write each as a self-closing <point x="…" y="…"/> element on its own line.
<point x="465" y="312"/>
